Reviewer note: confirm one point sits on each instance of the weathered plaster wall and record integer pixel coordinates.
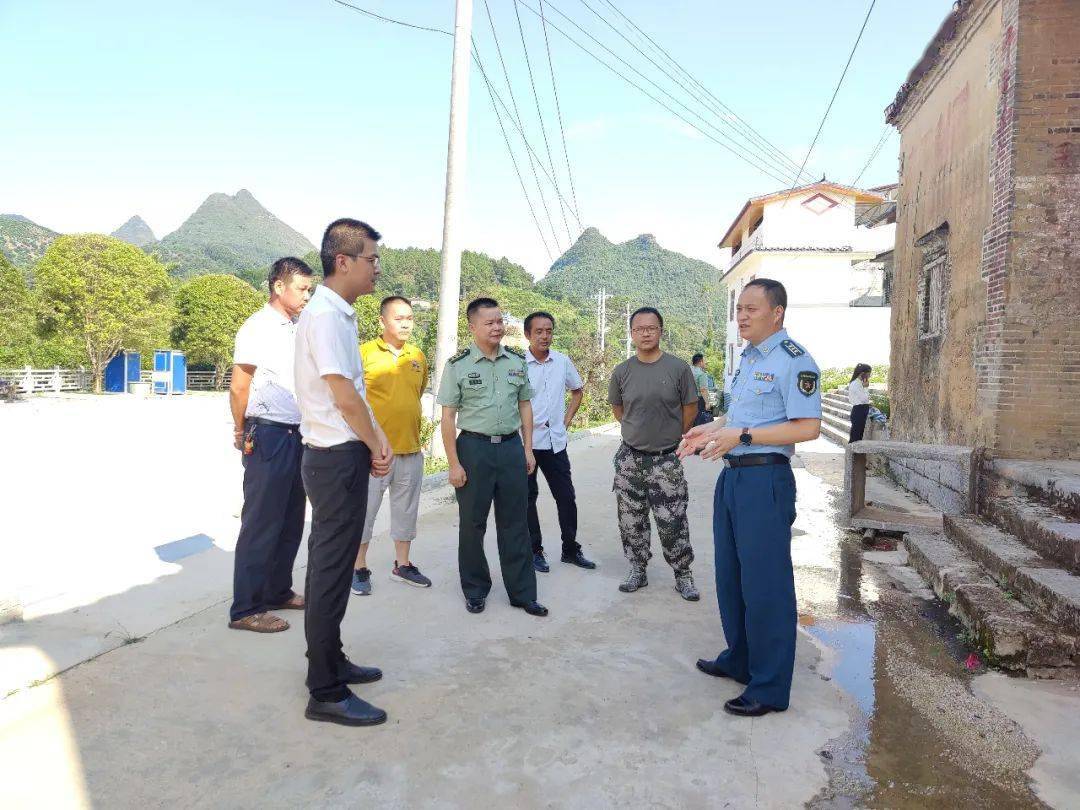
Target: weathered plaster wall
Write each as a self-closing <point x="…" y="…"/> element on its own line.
<point x="947" y="126"/>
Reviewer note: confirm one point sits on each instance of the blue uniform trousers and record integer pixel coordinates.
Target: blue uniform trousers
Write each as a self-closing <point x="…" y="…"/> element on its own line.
<point x="753" y="509"/>
<point x="271" y="523"/>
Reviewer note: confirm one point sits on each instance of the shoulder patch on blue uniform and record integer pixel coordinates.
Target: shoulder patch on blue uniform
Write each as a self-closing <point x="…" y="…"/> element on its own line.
<point x="808" y="383"/>
<point x="792" y="348"/>
<point x="460" y="355"/>
<point x="515" y="351"/>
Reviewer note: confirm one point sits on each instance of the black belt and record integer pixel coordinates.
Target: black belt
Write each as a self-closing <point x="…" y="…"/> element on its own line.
<point x="654" y="452"/>
<point x="344" y="447"/>
<point x="259" y="420"/>
<point x="756" y="459"/>
<point x="493" y="439"/>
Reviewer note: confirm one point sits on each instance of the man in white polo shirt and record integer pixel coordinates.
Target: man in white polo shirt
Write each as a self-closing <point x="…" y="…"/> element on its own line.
<point x="343" y="443"/>
<point x="266" y="429"/>
<point x="551" y="375"/>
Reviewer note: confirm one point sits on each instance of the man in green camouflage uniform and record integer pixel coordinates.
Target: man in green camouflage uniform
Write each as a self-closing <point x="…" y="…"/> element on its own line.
<point x="654" y="397"/>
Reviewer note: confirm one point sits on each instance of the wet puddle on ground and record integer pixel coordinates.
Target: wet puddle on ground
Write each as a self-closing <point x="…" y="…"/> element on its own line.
<point x="920" y="738"/>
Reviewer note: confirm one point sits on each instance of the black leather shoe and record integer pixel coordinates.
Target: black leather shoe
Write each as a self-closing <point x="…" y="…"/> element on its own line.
<point x="744" y="707"/>
<point x="540" y="563"/>
<point x="352" y="711"/>
<point x="578" y="559"/>
<point x="357" y="674"/>
<point x="532" y="608"/>
<point x="474" y="605"/>
<point x="710" y="668"/>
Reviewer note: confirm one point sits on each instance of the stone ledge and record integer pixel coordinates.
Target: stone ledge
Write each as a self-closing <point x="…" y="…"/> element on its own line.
<point x="937" y="452"/>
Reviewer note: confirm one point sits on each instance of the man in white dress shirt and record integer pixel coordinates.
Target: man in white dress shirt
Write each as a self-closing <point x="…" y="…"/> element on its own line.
<point x="342" y="444"/>
<point x="551" y="375"/>
<point x="266" y="429"/>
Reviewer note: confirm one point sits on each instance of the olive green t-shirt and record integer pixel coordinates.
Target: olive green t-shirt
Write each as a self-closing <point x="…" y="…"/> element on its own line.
<point x="652" y="396"/>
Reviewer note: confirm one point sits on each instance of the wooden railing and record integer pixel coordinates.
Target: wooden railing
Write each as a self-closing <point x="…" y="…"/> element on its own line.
<point x="56" y="380"/>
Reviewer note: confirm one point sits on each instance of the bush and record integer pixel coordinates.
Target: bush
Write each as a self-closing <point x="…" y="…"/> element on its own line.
<point x="833" y="378"/>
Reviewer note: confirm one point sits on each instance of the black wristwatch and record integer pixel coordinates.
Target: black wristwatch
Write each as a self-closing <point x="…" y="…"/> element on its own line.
<point x="745" y="437"/>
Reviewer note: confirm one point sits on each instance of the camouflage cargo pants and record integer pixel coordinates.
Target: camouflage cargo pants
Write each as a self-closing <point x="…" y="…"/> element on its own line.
<point x="657" y="482"/>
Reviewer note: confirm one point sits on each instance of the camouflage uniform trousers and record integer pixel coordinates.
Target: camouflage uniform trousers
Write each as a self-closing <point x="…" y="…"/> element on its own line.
<point x="657" y="482"/>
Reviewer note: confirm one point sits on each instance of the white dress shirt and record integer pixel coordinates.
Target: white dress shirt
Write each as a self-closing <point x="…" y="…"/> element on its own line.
<point x="267" y="340"/>
<point x="857" y="393"/>
<point x="327" y="342"/>
<point x="550" y="380"/>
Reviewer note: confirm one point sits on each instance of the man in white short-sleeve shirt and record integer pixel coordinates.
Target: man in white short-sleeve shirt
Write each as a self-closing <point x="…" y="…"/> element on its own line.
<point x="551" y="375"/>
<point x="266" y="429"/>
<point x="343" y="443"/>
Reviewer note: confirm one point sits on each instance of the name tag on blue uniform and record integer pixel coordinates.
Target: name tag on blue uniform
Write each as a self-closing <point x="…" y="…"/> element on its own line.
<point x="764" y="376"/>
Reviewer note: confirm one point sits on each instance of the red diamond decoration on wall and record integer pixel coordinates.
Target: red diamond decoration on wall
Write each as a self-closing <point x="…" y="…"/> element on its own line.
<point x="819" y="203"/>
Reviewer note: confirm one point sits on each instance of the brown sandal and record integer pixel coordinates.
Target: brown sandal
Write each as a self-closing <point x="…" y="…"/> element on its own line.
<point x="260" y="623"/>
<point x="294" y="602"/>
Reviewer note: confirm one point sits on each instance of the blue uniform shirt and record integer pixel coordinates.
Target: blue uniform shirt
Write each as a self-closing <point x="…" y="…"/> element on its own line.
<point x="777" y="380"/>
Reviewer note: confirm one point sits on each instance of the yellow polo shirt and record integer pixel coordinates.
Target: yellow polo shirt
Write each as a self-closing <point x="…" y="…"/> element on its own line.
<point x="394" y="385"/>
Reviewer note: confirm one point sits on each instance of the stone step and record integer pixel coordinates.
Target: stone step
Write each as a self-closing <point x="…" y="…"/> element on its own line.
<point x="834" y="434"/>
<point x="1039" y="527"/>
<point x="1050" y="590"/>
<point x="841" y="425"/>
<point x="1055" y="483"/>
<point x="1015" y="636"/>
<point x="839" y="413"/>
<point x="834" y="398"/>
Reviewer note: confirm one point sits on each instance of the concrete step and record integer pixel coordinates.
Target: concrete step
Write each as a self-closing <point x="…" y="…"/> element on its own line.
<point x="1050" y="590"/>
<point x="1055" y="483"/>
<point x="1013" y="635"/>
<point x="842" y="425"/>
<point x="836" y="399"/>
<point x="1039" y="527"/>
<point x="836" y="435"/>
<point x="839" y="413"/>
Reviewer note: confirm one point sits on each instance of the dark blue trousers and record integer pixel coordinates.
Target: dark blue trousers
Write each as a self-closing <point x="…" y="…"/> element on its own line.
<point x="753" y="509"/>
<point x="271" y="523"/>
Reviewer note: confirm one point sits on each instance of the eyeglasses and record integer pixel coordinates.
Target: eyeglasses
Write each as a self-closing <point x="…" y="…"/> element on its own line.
<point x="646" y="330"/>
<point x="375" y="262"/>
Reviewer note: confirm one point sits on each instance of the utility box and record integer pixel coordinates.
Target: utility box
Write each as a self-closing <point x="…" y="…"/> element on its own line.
<point x="170" y="372"/>
<point x="121" y="370"/>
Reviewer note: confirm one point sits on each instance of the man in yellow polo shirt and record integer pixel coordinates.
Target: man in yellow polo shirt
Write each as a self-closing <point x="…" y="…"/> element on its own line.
<point x="395" y="374"/>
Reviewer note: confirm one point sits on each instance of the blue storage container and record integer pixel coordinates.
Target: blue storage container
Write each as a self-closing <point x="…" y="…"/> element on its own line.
<point x="170" y="372"/>
<point x="121" y="370"/>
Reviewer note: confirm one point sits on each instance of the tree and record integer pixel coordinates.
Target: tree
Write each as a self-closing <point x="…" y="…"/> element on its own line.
<point x="16" y="317"/>
<point x="209" y="311"/>
<point x="103" y="293"/>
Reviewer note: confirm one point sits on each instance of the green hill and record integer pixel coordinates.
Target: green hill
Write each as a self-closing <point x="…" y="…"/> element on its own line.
<point x="641" y="272"/>
<point x="228" y="235"/>
<point x="23" y="242"/>
<point x="135" y="232"/>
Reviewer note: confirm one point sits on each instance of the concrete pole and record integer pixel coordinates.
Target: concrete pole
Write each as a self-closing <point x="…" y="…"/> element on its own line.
<point x="450" y="275"/>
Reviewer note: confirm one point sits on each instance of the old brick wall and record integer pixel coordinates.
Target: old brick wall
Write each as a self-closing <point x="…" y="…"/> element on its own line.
<point x="1033" y="317"/>
<point x="947" y="130"/>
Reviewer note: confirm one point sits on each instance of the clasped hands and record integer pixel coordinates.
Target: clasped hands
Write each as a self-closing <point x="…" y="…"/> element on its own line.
<point x="713" y="440"/>
<point x="382" y="460"/>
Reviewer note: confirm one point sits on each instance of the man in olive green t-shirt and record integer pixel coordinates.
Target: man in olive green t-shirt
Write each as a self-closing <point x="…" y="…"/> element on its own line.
<point x="654" y="397"/>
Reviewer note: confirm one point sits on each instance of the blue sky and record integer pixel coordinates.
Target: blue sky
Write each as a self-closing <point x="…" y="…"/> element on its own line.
<point x="115" y="108"/>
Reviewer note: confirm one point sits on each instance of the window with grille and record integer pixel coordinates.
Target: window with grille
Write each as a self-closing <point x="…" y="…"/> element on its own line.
<point x="933" y="281"/>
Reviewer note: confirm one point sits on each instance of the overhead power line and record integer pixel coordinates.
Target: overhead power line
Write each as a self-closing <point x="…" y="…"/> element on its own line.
<point x="521" y="124"/>
<point x="756" y="162"/>
<point x="392" y="20"/>
<point x="885" y="133"/>
<point x="723" y="112"/>
<point x="558" y="110"/>
<point x="836" y="91"/>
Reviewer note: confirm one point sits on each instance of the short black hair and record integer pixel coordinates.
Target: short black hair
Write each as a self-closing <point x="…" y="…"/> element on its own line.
<point x="479" y="303"/>
<point x="391" y="299"/>
<point x="539" y="314"/>
<point x="284" y="269"/>
<point x="647" y="311"/>
<point x="697" y="358"/>
<point x="342" y="236"/>
<point x="774" y="291"/>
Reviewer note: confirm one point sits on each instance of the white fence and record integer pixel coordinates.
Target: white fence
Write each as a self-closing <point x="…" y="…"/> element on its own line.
<point x="56" y="380"/>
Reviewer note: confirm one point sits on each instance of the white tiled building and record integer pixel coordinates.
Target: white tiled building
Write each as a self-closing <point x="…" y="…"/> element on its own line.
<point x="809" y="240"/>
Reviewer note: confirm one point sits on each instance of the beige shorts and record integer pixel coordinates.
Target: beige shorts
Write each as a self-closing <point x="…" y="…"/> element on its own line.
<point x="404" y="481"/>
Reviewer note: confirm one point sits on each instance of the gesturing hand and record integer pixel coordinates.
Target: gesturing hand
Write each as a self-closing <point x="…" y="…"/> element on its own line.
<point x="695" y="439"/>
<point x="721" y="442"/>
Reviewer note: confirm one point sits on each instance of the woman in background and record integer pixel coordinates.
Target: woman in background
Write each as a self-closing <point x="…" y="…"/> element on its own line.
<point x="859" y="397"/>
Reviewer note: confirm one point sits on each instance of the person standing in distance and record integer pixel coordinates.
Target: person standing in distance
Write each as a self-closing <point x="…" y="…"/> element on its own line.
<point x="342" y="443"/>
<point x="395" y="373"/>
<point x="775" y="403"/>
<point x="551" y="375"/>
<point x="485" y="391"/>
<point x="266" y="430"/>
<point x="704" y="383"/>
<point x="859" y="397"/>
<point x="654" y="398"/>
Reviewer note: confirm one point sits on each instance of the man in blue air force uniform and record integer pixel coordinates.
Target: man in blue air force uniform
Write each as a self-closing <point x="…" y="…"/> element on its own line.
<point x="775" y="403"/>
